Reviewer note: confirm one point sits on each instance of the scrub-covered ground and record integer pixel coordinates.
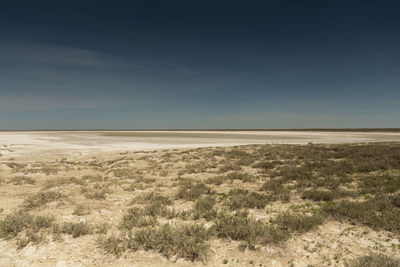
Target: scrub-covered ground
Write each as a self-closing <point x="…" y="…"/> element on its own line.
<point x="256" y="205"/>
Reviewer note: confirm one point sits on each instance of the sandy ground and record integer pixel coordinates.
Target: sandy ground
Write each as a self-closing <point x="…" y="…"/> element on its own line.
<point x="55" y="142"/>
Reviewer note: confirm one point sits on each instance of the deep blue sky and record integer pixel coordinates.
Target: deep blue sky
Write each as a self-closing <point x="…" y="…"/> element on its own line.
<point x="199" y="64"/>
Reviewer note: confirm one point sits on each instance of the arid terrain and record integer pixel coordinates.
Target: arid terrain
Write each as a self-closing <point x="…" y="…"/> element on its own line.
<point x="192" y="198"/>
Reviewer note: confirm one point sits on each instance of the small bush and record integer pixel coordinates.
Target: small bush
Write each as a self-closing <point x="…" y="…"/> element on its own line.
<point x="62" y="181"/>
<point x="244" y="177"/>
<point x="240" y="198"/>
<point x="297" y="222"/>
<point x="74" y="229"/>
<point x="379" y="184"/>
<point x="112" y="244"/>
<point x="81" y="210"/>
<point x="125" y="173"/>
<point x="264" y="165"/>
<point x="378" y="213"/>
<point x="203" y="208"/>
<point x="34" y="238"/>
<point x="20" y="180"/>
<point x="136" y="217"/>
<point x="274" y="186"/>
<point x="228" y="166"/>
<point x="373" y="261"/>
<point x="96" y="194"/>
<point x="192" y="192"/>
<point x="19" y="221"/>
<point x="153" y="198"/>
<point x="217" y="180"/>
<point x="318" y="195"/>
<point x="181" y="241"/>
<point x="302" y="175"/>
<point x="251" y="232"/>
<point x="41" y="198"/>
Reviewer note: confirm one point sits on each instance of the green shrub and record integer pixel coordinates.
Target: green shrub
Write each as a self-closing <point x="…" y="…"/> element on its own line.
<point x="217" y="180"/>
<point x="318" y="195"/>
<point x="240" y="198"/>
<point x="74" y="229"/>
<point x="62" y="181"/>
<point x="136" y="217"/>
<point x="41" y="198"/>
<point x="192" y="192"/>
<point x="15" y="223"/>
<point x="244" y="177"/>
<point x="153" y="198"/>
<point x="264" y="165"/>
<point x="96" y="194"/>
<point x="203" y="208"/>
<point x="20" y="180"/>
<point x="251" y="232"/>
<point x="181" y="241"/>
<point x="81" y="210"/>
<point x="112" y="244"/>
<point x="379" y="213"/>
<point x="379" y="184"/>
<point x="34" y="238"/>
<point x="298" y="222"/>
<point x="374" y="260"/>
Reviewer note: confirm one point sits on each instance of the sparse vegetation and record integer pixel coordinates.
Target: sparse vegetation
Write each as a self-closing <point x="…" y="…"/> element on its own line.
<point x="251" y="232"/>
<point x="182" y="241"/>
<point x="41" y="198"/>
<point x="21" y="180"/>
<point x="74" y="229"/>
<point x="240" y="198"/>
<point x="16" y="222"/>
<point x="191" y="192"/>
<point x="374" y="260"/>
<point x="299" y="223"/>
<point x="136" y="217"/>
<point x="190" y="203"/>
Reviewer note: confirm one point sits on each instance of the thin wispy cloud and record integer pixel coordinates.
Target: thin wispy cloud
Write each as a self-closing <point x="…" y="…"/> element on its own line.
<point x="54" y="55"/>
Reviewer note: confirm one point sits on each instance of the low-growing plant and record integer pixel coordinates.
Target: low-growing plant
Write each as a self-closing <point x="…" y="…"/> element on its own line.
<point x="252" y="232"/>
<point x="216" y="180"/>
<point x="379" y="213"/>
<point x="228" y="166"/>
<point x="374" y="260"/>
<point x="16" y="222"/>
<point x="41" y="198"/>
<point x="34" y="238"/>
<point x="203" y="208"/>
<point x="136" y="217"/>
<point x="20" y="180"/>
<point x="299" y="223"/>
<point x="376" y="184"/>
<point x="96" y="194"/>
<point x="318" y="195"/>
<point x="112" y="244"/>
<point x="239" y="198"/>
<point x="244" y="177"/>
<point x="264" y="165"/>
<point x="191" y="192"/>
<point x="50" y="183"/>
<point x="187" y="241"/>
<point x="153" y="198"/>
<point x="81" y="210"/>
<point x="74" y="229"/>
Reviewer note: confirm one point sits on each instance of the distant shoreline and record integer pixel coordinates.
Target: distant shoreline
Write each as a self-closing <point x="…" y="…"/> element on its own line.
<point x="206" y="130"/>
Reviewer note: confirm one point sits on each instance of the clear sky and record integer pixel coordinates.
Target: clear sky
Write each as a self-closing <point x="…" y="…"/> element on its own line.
<point x="199" y="64"/>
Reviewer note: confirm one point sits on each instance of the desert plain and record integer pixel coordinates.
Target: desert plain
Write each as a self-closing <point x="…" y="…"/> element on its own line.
<point x="199" y="198"/>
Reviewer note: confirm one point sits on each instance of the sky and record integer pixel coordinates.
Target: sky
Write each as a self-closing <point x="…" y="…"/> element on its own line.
<point x="199" y="64"/>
